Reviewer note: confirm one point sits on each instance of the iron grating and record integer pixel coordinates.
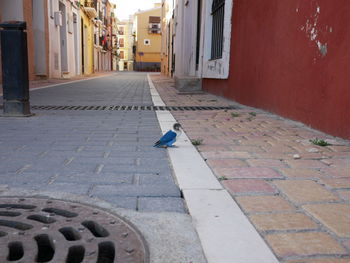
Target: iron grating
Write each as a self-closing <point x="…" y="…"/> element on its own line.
<point x="45" y="230"/>
<point x="133" y="108"/>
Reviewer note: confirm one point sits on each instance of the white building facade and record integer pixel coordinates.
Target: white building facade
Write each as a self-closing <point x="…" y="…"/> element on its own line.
<point x="197" y="40"/>
<point x="64" y="31"/>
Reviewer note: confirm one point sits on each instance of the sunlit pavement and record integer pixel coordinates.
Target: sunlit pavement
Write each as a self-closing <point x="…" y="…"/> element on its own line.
<point x="295" y="193"/>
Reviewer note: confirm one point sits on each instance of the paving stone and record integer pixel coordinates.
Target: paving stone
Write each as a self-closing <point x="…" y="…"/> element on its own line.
<point x="155" y="204"/>
<point x="154" y="179"/>
<point x="283" y="221"/>
<point x="248" y="186"/>
<point x="319" y="260"/>
<point x="137" y="190"/>
<point x="225" y="163"/>
<point x="337" y="183"/>
<point x="303" y="191"/>
<point x="304" y="244"/>
<point x="100" y="160"/>
<point x="95" y="179"/>
<point x="337" y="172"/>
<point x="305" y="164"/>
<point x="79" y="168"/>
<point x="223" y="155"/>
<point x="80" y="189"/>
<point x="211" y="148"/>
<point x="266" y="163"/>
<point x="301" y="173"/>
<point x="334" y="216"/>
<point x="345" y="194"/>
<point x="346" y="244"/>
<point x="263" y="203"/>
<point x="123" y="202"/>
<point x="247" y="172"/>
<point x="160" y="169"/>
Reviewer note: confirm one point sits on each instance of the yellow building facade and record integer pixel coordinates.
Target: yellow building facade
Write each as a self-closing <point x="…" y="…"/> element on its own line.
<point x="87" y="37"/>
<point x="147" y="46"/>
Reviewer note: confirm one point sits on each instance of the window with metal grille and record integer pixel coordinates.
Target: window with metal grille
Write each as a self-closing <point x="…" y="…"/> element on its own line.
<point x="217" y="38"/>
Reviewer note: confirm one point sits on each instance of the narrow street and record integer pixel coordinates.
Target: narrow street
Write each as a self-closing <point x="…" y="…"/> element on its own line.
<point x="109" y="153"/>
<point x="170" y="131"/>
<point x="104" y="155"/>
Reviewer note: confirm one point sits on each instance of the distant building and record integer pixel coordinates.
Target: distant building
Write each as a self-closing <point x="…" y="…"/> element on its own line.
<point x="125" y="45"/>
<point x="103" y="35"/>
<point x="65" y="38"/>
<point x="147" y="45"/>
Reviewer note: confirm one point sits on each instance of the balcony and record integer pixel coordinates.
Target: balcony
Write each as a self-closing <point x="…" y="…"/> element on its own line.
<point x="90" y="9"/>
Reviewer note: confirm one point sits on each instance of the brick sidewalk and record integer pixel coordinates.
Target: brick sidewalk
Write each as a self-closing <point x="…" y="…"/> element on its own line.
<point x="295" y="193"/>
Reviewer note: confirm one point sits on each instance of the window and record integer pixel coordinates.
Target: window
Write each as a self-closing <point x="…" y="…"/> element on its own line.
<point x="217" y="39"/>
<point x="147" y="42"/>
<point x="121" y="42"/>
<point x="121" y="54"/>
<point x="154" y="25"/>
<point x="121" y="30"/>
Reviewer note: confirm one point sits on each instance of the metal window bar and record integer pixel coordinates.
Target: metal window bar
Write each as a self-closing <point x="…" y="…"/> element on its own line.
<point x="217" y="38"/>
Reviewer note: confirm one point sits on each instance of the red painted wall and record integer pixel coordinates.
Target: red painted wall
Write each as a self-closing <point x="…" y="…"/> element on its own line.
<point x="291" y="57"/>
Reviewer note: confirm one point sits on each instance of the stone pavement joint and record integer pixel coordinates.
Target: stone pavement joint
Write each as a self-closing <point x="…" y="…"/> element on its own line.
<point x="301" y="207"/>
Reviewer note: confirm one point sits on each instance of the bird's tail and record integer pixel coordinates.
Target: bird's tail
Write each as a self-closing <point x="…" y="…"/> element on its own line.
<point x="156" y="144"/>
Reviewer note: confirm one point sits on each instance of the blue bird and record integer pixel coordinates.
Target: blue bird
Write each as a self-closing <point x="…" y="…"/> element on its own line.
<point x="169" y="137"/>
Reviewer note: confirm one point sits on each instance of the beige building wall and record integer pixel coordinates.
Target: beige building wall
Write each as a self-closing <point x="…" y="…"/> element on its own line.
<point x="168" y="34"/>
<point x="35" y="15"/>
<point x="125" y="44"/>
<point x="147" y="41"/>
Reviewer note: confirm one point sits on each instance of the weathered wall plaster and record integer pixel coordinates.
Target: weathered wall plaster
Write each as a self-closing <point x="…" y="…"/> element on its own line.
<point x="292" y="58"/>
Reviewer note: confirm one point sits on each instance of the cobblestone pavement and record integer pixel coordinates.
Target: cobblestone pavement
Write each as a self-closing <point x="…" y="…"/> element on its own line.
<point x="295" y="193"/>
<point x="104" y="154"/>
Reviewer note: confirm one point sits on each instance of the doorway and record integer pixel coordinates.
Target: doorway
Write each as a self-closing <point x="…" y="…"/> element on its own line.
<point x="63" y="37"/>
<point x="82" y="47"/>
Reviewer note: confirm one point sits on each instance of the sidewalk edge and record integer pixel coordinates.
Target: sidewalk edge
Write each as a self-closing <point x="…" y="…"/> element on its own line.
<point x="223" y="229"/>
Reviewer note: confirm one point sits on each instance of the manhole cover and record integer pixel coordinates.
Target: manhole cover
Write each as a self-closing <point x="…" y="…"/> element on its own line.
<point x="45" y="230"/>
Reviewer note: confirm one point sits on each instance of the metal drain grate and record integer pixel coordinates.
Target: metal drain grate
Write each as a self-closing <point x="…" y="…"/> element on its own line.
<point x="43" y="230"/>
<point x="134" y="107"/>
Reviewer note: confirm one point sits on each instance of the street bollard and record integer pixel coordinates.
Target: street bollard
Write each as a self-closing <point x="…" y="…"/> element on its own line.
<point x="14" y="57"/>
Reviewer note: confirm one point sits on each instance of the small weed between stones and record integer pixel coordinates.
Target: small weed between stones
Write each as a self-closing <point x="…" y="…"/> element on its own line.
<point x="252" y="114"/>
<point x="319" y="142"/>
<point x="197" y="142"/>
<point x="234" y="115"/>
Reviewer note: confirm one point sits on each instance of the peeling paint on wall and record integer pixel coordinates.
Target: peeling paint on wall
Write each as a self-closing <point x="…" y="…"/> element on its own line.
<point x="322" y="48"/>
<point x="312" y="28"/>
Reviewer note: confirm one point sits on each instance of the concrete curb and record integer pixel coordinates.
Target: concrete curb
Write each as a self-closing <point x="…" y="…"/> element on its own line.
<point x="225" y="232"/>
